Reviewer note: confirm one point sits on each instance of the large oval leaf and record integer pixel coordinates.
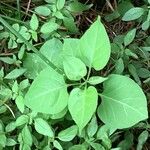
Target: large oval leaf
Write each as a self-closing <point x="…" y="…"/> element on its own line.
<point x="48" y="93"/>
<point x="82" y="105"/>
<point x="123" y="102"/>
<point x="74" y="68"/>
<point x="95" y="46"/>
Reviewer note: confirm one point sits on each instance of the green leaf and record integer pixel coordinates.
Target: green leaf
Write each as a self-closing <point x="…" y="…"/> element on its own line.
<point x="10" y="127"/>
<point x="82" y="105"/>
<point x="34" y="22"/>
<point x="52" y="49"/>
<point x="92" y="127"/>
<point x="60" y="4"/>
<point x="26" y="136"/>
<point x="97" y="146"/>
<point x="42" y="127"/>
<point x="43" y="10"/>
<point x="133" y="14"/>
<point x="15" y="73"/>
<point x="123" y="102"/>
<point x="119" y="66"/>
<point x="57" y="145"/>
<point x="78" y="147"/>
<point x="2" y="140"/>
<point x="10" y="142"/>
<point x="96" y="80"/>
<point x="49" y="27"/>
<point x="7" y="60"/>
<point x="48" y="93"/>
<point x="20" y="103"/>
<point x="145" y="25"/>
<point x="142" y="139"/>
<point x="77" y="7"/>
<point x="21" y="120"/>
<point x="68" y="134"/>
<point x="74" y="68"/>
<point x="129" y="37"/>
<point x="95" y="46"/>
<point x="70" y="24"/>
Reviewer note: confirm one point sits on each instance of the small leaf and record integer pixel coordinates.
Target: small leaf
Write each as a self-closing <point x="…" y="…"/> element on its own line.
<point x="123" y="102"/>
<point x="74" y="68"/>
<point x="10" y="127"/>
<point x="68" y="134"/>
<point x="60" y="4"/>
<point x="49" y="27"/>
<point x="43" y="10"/>
<point x="20" y="103"/>
<point x="119" y="66"/>
<point x="145" y="25"/>
<point x="92" y="127"/>
<point x="26" y="136"/>
<point x="129" y="37"/>
<point x="2" y="140"/>
<point x="34" y="23"/>
<point x="10" y="142"/>
<point x="15" y="73"/>
<point x="142" y="139"/>
<point x="21" y="120"/>
<point x="133" y="13"/>
<point x="57" y="145"/>
<point x="78" y="147"/>
<point x="82" y="105"/>
<point x="42" y="127"/>
<point x="96" y="80"/>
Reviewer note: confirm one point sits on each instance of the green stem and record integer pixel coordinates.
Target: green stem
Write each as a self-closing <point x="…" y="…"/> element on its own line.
<point x="9" y="27"/>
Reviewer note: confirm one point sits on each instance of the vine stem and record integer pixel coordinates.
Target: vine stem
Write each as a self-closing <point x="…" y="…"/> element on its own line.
<point x="45" y="59"/>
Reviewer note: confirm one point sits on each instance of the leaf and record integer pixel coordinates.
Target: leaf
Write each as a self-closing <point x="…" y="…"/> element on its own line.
<point x="43" y="10"/>
<point x="123" y="102"/>
<point x="15" y="73"/>
<point x="74" y="68"/>
<point x="48" y="93"/>
<point x="10" y="127"/>
<point x="92" y="127"/>
<point x="60" y="4"/>
<point x="10" y="142"/>
<point x="42" y="127"/>
<point x="78" y="7"/>
<point x="96" y="80"/>
<point x="119" y="66"/>
<point x="26" y="136"/>
<point x="82" y="105"/>
<point x="97" y="146"/>
<point x="7" y="60"/>
<point x="142" y="139"/>
<point x="129" y="37"/>
<point x="57" y="145"/>
<point x="68" y="134"/>
<point x="52" y="49"/>
<point x="49" y="27"/>
<point x="20" y="103"/>
<point x="133" y="14"/>
<point x="145" y="25"/>
<point x="2" y="140"/>
<point x="95" y="46"/>
<point x="78" y="147"/>
<point x="21" y="120"/>
<point x="34" y="23"/>
<point x="70" y="24"/>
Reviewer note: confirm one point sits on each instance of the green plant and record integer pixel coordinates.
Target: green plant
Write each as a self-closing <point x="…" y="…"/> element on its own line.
<point x="123" y="102"/>
<point x="63" y="95"/>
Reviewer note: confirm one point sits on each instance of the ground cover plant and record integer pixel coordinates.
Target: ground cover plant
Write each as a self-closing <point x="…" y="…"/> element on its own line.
<point x="74" y="75"/>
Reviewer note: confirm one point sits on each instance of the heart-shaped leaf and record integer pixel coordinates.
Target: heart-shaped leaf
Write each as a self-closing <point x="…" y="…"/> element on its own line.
<point x="123" y="102"/>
